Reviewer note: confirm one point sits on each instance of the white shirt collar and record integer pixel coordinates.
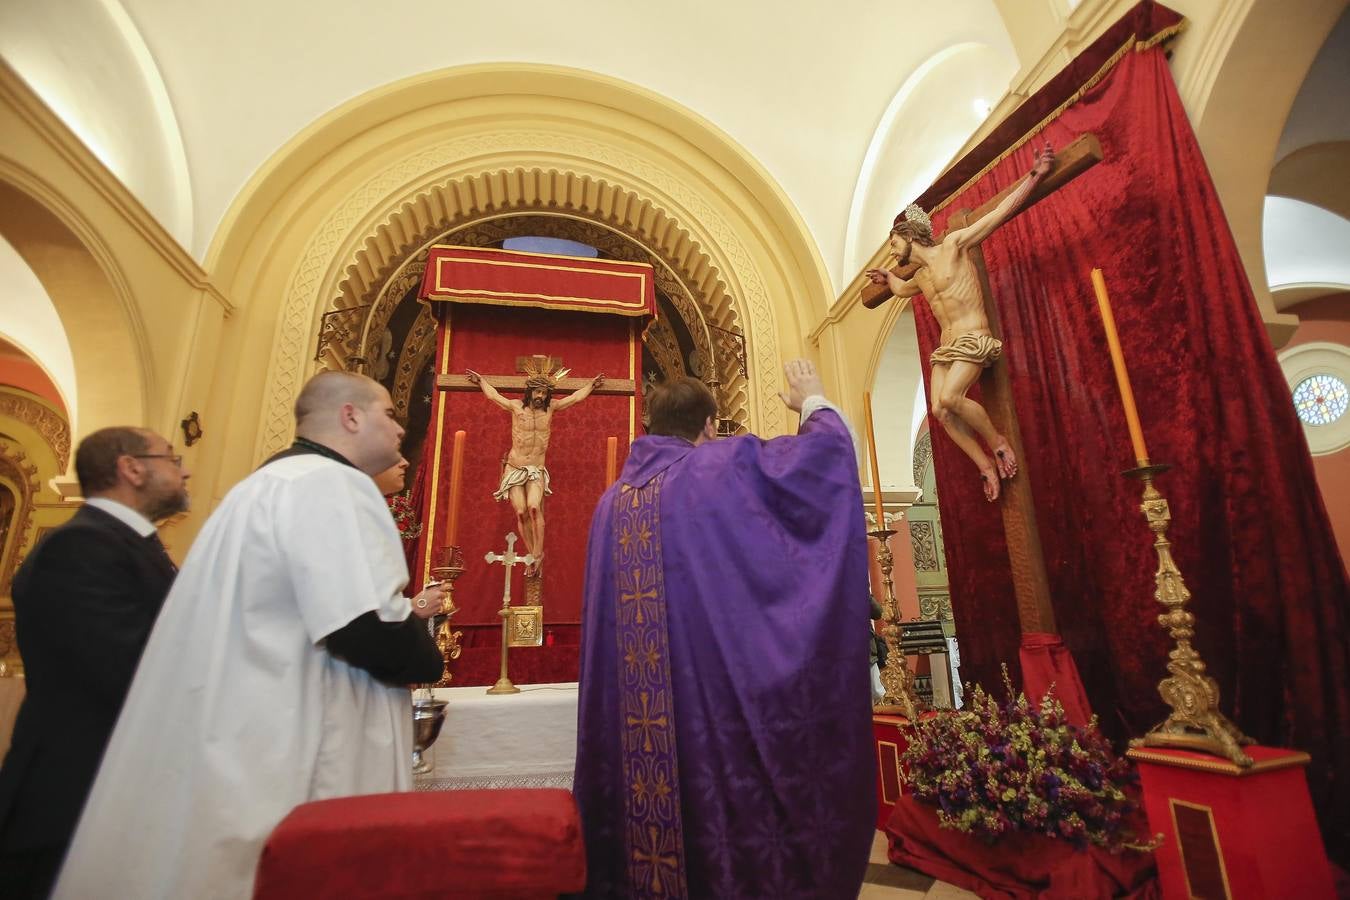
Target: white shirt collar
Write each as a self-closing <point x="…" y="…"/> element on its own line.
<point x="124" y="514"/>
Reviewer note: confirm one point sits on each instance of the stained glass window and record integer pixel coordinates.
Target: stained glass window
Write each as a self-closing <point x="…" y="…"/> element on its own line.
<point x="1321" y="399"/>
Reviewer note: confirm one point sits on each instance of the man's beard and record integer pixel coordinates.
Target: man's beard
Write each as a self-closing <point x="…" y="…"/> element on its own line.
<point x="168" y="505"/>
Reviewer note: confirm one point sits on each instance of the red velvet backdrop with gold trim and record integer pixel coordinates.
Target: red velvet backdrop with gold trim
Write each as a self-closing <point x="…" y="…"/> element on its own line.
<point x="1249" y="529"/>
<point x="500" y="305"/>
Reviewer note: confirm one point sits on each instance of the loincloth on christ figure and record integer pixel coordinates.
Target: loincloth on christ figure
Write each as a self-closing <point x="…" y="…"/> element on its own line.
<point x="520" y="475"/>
<point x="972" y="347"/>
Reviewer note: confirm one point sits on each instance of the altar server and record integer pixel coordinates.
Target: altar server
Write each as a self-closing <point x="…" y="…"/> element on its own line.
<point x="276" y="673"/>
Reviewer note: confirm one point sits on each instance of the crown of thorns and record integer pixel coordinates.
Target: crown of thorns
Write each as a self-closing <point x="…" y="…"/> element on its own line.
<point x="914" y="215"/>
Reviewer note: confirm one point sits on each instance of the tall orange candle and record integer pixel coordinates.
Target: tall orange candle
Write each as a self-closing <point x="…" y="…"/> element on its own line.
<point x="872" y="458"/>
<point x="1122" y="375"/>
<point x="456" y="476"/>
<point x="611" y="459"/>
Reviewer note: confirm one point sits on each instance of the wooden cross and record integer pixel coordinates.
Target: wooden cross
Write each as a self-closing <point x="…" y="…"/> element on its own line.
<point x="625" y="387"/>
<point x="1030" y="584"/>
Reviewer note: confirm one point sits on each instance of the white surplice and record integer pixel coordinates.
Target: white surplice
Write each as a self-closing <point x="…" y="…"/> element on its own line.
<point x="237" y="713"/>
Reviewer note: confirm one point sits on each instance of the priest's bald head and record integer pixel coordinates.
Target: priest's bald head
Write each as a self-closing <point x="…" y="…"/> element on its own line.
<point x="353" y="415"/>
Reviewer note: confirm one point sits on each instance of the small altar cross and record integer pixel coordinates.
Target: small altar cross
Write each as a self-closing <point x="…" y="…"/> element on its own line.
<point x="508" y="560"/>
<point x="1031" y="585"/>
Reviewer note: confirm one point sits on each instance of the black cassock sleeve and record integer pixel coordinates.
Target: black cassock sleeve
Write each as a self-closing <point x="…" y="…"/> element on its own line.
<point x="394" y="652"/>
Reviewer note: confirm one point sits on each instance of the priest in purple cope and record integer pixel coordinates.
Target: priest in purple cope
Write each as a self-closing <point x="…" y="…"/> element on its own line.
<point x="724" y="742"/>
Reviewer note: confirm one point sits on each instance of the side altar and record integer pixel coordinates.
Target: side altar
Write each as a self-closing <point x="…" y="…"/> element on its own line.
<point x="511" y="327"/>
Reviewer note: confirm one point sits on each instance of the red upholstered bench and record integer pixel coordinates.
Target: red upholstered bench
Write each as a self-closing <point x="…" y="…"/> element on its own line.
<point x="465" y="844"/>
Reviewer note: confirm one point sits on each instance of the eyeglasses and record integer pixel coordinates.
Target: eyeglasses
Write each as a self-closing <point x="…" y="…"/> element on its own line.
<point x="176" y="459"/>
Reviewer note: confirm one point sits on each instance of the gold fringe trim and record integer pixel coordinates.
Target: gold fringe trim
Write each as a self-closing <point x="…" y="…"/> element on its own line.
<point x="1163" y="36"/>
<point x="1132" y="44"/>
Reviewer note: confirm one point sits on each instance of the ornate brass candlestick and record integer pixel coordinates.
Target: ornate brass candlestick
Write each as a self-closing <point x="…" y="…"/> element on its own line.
<point x="896" y="678"/>
<point x="1195" y="722"/>
<point x="447" y="641"/>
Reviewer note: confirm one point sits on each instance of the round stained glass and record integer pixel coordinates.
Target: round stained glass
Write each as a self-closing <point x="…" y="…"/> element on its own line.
<point x="1321" y="399"/>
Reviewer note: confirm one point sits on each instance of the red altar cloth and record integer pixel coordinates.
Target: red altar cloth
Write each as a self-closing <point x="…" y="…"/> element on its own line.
<point x="502" y="305"/>
<point x="1021" y="866"/>
<point x="473" y="845"/>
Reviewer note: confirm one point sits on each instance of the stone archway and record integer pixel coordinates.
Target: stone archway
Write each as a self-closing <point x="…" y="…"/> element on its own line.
<point x="386" y="270"/>
<point x="90" y="296"/>
<point x="334" y="216"/>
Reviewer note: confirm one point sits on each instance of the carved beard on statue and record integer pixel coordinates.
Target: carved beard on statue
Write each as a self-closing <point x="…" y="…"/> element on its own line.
<point x="537" y="398"/>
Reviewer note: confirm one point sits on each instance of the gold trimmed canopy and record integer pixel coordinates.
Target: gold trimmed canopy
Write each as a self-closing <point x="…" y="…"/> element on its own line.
<point x="517" y="278"/>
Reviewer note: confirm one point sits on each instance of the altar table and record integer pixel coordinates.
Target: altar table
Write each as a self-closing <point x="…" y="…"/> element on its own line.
<point x="525" y="740"/>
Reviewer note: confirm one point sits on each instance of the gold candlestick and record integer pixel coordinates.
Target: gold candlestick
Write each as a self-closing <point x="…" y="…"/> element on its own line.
<point x="896" y="678"/>
<point x="447" y="641"/>
<point x="1195" y="722"/>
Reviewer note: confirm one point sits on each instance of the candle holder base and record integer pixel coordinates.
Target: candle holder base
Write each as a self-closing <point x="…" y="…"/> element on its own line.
<point x="896" y="678"/>
<point x="503" y="686"/>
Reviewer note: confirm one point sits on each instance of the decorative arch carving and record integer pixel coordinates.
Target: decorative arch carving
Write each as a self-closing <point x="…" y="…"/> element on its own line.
<point x="412" y="198"/>
<point x="382" y="299"/>
<point x="391" y="262"/>
<point x="49" y="424"/>
<point x="18" y="473"/>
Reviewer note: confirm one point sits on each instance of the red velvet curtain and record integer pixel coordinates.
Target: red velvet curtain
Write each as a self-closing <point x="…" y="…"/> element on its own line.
<point x="1249" y="529"/>
<point x="488" y="339"/>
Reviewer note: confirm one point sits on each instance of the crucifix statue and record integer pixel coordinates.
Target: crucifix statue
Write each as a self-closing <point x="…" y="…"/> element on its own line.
<point x="509" y="560"/>
<point x="948" y="280"/>
<point x="525" y="479"/>
<point x="949" y="271"/>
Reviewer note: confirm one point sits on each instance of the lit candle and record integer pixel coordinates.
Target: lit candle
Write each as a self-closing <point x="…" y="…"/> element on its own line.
<point x="611" y="459"/>
<point x="1122" y="375"/>
<point x="456" y="475"/>
<point x="872" y="457"/>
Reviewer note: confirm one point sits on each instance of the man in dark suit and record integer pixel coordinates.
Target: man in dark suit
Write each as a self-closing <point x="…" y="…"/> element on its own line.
<point x="85" y="600"/>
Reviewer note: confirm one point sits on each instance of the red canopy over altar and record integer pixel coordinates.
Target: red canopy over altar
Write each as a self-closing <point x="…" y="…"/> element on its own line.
<point x="493" y="307"/>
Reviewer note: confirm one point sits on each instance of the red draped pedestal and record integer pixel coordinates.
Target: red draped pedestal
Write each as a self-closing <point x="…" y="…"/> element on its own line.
<point x="1230" y="832"/>
<point x="891" y="734"/>
<point x="495" y="306"/>
<point x="1249" y="528"/>
<point x="1021" y="866"/>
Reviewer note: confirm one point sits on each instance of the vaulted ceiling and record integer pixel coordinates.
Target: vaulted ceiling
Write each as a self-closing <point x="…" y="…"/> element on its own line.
<point x="186" y="100"/>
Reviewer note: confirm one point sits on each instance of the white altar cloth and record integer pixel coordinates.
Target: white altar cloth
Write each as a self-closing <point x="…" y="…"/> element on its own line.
<point x="504" y="740"/>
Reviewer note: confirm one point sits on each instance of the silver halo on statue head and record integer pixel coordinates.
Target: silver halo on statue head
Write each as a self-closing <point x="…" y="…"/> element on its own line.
<point x="915" y="215"/>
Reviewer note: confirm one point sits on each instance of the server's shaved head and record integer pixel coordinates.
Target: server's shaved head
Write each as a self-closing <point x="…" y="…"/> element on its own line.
<point x="353" y="415"/>
<point x="328" y="391"/>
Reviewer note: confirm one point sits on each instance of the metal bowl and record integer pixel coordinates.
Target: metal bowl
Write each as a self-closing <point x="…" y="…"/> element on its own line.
<point x="428" y="717"/>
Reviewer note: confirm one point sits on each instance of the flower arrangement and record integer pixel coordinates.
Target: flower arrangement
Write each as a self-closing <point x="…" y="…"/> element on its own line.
<point x="405" y="517"/>
<point x="999" y="767"/>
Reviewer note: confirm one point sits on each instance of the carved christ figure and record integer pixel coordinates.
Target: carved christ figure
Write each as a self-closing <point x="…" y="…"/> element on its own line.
<point x="525" y="480"/>
<point x="947" y="278"/>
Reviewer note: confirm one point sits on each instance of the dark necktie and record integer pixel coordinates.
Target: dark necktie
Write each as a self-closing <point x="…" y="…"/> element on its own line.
<point x="154" y="541"/>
